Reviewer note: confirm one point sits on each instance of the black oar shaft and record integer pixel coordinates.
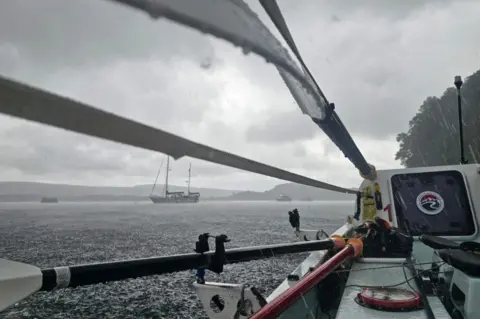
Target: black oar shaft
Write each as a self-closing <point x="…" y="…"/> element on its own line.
<point x="88" y="274"/>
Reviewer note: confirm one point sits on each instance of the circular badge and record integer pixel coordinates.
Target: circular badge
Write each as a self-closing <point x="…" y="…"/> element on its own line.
<point x="430" y="203"/>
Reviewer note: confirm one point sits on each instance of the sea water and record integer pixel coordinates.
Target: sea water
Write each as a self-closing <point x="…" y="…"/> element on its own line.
<point x="49" y="235"/>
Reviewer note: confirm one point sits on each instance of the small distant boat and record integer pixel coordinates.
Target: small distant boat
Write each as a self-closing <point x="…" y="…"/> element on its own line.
<point x="174" y="197"/>
<point x="283" y="198"/>
<point x="49" y="200"/>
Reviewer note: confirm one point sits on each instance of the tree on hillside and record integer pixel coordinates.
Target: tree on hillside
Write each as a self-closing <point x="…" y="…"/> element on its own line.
<point x="433" y="137"/>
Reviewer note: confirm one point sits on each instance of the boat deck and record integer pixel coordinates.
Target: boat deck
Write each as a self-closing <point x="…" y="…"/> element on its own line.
<point x="377" y="274"/>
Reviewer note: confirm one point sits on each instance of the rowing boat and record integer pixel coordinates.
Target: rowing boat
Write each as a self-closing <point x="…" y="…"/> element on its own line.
<point x="408" y="249"/>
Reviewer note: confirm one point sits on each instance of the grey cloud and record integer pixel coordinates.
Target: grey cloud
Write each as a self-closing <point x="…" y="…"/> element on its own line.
<point x="44" y="152"/>
<point x="282" y="127"/>
<point x="56" y="33"/>
<point x="300" y="151"/>
<point x="335" y="18"/>
<point x="338" y="10"/>
<point x="151" y="92"/>
<point x="97" y="32"/>
<point x="395" y="9"/>
<point x="364" y="62"/>
<point x="381" y="66"/>
<point x="205" y="169"/>
<point x="38" y="150"/>
<point x="132" y="89"/>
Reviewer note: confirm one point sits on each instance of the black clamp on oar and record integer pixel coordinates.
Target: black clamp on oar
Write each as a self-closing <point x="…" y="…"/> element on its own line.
<point x="217" y="260"/>
<point x="201" y="246"/>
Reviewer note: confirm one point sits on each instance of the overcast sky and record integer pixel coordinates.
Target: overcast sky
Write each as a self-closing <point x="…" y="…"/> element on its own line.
<point x="377" y="61"/>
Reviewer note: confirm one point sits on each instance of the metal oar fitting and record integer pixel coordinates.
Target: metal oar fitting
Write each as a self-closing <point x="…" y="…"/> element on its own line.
<point x="373" y="173"/>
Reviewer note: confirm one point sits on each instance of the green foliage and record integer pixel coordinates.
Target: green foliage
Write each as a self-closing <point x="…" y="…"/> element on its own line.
<point x="433" y="137"/>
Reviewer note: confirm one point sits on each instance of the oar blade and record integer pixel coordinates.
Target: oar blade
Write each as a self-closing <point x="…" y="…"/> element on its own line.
<point x="17" y="281"/>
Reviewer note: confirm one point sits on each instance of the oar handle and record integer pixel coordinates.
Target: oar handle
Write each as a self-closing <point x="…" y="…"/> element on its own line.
<point x="283" y="302"/>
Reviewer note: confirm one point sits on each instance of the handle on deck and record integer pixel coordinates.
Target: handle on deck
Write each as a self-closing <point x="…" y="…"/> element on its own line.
<point x="277" y="306"/>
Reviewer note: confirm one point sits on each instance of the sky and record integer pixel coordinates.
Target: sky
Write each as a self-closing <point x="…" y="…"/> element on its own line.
<point x="377" y="61"/>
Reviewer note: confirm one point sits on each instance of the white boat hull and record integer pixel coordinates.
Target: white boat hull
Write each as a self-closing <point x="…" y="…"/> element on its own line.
<point x="174" y="200"/>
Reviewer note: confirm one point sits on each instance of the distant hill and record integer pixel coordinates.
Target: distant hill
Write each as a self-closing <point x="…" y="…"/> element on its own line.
<point x="33" y="192"/>
<point x="292" y="190"/>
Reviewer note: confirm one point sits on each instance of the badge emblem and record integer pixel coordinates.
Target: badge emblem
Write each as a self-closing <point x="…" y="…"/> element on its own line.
<point x="430" y="203"/>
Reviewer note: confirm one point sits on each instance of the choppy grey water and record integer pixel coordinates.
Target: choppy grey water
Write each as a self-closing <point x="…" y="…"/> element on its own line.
<point x="50" y="235"/>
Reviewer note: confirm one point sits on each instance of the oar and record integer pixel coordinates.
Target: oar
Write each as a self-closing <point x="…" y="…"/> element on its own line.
<point x="29" y="103"/>
<point x="88" y="274"/>
<point x="18" y="280"/>
<point x="284" y="301"/>
<point x="330" y="124"/>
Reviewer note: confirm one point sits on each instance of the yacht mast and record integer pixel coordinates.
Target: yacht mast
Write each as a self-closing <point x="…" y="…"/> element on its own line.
<point x="156" y="178"/>
<point x="166" y="176"/>
<point x="189" y="173"/>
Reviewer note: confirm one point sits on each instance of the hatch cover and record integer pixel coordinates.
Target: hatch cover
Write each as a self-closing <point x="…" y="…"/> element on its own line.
<point x="389" y="299"/>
